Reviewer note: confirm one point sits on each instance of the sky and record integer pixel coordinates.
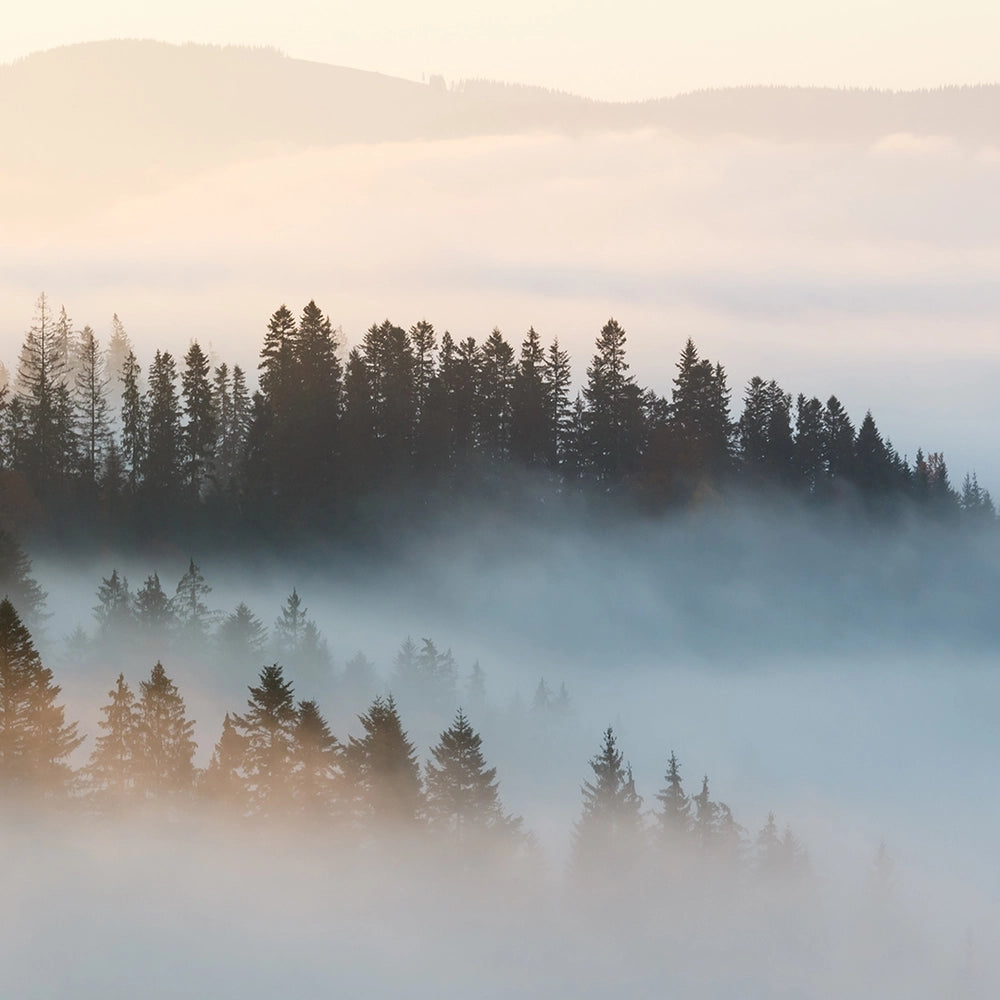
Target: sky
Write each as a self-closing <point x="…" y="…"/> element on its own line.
<point x="629" y="50"/>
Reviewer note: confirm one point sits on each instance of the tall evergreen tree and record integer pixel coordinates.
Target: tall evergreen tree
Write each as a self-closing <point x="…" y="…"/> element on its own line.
<point x="383" y="765"/>
<point x="93" y="426"/>
<point x="115" y="763"/>
<point x="166" y="737"/>
<point x="608" y="833"/>
<point x="532" y="430"/>
<point x="153" y="610"/>
<point x="614" y="411"/>
<point x="35" y="739"/>
<point x="201" y="420"/>
<point x="222" y="783"/>
<point x="317" y="770"/>
<point x="268" y="727"/>
<point x="496" y="384"/>
<point x="16" y="581"/>
<point x="462" y="793"/>
<point x="675" y="806"/>
<point x="134" y="436"/>
<point x="163" y="465"/>
<point x="189" y="607"/>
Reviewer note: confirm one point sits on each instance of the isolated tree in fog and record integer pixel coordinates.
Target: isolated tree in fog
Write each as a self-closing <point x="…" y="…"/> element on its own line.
<point x="383" y="764"/>
<point x="115" y="761"/>
<point x="166" y="736"/>
<point x="35" y="740"/>
<point x="268" y="726"/>
<point x="462" y="793"/>
<point x="608" y="832"/>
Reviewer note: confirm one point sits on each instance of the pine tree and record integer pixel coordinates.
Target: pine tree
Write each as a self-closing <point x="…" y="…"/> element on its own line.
<point x="114" y="610"/>
<point x="42" y="378"/>
<point x="201" y="426"/>
<point x="134" y="431"/>
<point x="16" y="581"/>
<point x="383" y="765"/>
<point x="114" y="767"/>
<point x="557" y="377"/>
<point x="317" y="772"/>
<point x="242" y="635"/>
<point x="614" y="412"/>
<point x="496" y="384"/>
<point x="35" y="740"/>
<point x="608" y="833"/>
<point x="164" y="449"/>
<point x="531" y="427"/>
<point x="675" y="813"/>
<point x="153" y="611"/>
<point x="189" y="607"/>
<point x="223" y="783"/>
<point x="93" y="426"/>
<point x="166" y="737"/>
<point x="462" y="793"/>
<point x="269" y="727"/>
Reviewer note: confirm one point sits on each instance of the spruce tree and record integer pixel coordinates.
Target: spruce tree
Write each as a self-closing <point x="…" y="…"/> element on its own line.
<point x="93" y="426"/>
<point x="675" y="812"/>
<point x="242" y="635"/>
<point x="153" y="610"/>
<point x="383" y="765"/>
<point x="462" y="793"/>
<point x="188" y="605"/>
<point x="317" y="770"/>
<point x="201" y="420"/>
<point x="16" y="581"/>
<point x="608" y="833"/>
<point x="166" y="737"/>
<point x="115" y="763"/>
<point x="35" y="739"/>
<point x="223" y="783"/>
<point x="134" y="430"/>
<point x="268" y="726"/>
<point x="164" y="446"/>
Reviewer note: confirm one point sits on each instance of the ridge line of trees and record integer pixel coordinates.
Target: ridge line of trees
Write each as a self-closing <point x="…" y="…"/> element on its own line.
<point x="86" y="435"/>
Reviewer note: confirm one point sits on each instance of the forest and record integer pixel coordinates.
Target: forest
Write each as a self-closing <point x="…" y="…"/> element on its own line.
<point x="318" y="446"/>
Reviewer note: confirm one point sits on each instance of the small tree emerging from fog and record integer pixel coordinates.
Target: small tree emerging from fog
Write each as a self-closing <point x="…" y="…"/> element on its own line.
<point x="383" y="764"/>
<point x="609" y="829"/>
<point x="115" y="760"/>
<point x="166" y="736"/>
<point x="675" y="813"/>
<point x="462" y="793"/>
<point x="223" y="783"/>
<point x="317" y="767"/>
<point x="269" y="730"/>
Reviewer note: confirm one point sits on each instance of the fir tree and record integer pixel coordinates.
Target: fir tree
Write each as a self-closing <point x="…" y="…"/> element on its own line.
<point x="16" y="581"/>
<point x="166" y="737"/>
<point x="462" y="793"/>
<point x="608" y="833"/>
<point x="189" y="607"/>
<point x="201" y="426"/>
<point x="383" y="765"/>
<point x="115" y="765"/>
<point x="242" y="635"/>
<point x="268" y="727"/>
<point x="675" y="812"/>
<point x="153" y="610"/>
<point x="93" y="424"/>
<point x="316" y="772"/>
<point x="35" y="739"/>
<point x="223" y="783"/>
<point x="134" y="431"/>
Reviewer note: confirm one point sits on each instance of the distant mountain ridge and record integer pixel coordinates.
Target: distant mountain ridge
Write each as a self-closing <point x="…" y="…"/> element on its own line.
<point x="128" y="105"/>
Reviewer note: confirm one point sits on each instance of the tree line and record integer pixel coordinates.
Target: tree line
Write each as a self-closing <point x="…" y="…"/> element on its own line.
<point x="87" y="435"/>
<point x="277" y="762"/>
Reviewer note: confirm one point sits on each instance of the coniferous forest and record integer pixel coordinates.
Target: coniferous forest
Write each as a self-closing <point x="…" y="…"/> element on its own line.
<point x="101" y="445"/>
<point x="494" y="798"/>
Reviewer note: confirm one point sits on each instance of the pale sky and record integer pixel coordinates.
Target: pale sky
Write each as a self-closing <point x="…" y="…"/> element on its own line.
<point x="628" y="49"/>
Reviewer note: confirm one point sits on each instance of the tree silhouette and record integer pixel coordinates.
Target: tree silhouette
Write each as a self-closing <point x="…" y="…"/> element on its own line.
<point x="35" y="739"/>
